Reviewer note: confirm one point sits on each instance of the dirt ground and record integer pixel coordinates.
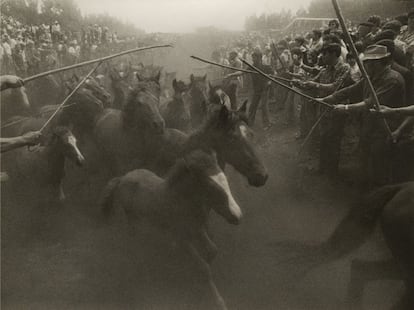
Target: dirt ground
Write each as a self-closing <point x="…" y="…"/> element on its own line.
<point x="68" y="258"/>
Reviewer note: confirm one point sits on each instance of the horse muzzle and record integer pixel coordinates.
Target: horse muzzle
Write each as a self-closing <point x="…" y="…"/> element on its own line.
<point x="80" y="160"/>
<point x="258" y="180"/>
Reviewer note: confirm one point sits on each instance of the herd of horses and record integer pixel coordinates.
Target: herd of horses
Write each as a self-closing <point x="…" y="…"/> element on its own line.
<point x="163" y="159"/>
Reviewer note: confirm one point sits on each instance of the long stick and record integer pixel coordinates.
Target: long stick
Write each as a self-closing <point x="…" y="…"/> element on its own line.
<point x="69" y="96"/>
<point x="285" y="86"/>
<point x="36" y="76"/>
<point x="235" y="69"/>
<point x="354" y="52"/>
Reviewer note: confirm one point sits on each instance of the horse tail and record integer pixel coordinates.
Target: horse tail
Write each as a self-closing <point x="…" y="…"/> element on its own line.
<point x="108" y="197"/>
<point x="359" y="223"/>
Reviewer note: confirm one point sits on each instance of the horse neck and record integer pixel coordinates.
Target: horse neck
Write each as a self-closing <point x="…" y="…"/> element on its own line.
<point x="119" y="95"/>
<point x="180" y="192"/>
<point x="196" y="93"/>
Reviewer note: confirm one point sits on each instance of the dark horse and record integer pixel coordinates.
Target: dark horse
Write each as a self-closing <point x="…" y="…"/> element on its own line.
<point x="78" y="114"/>
<point x="44" y="168"/>
<point x="198" y="100"/>
<point x="393" y="207"/>
<point x="176" y="114"/>
<point x="126" y="138"/>
<point x="179" y="204"/>
<point x="227" y="133"/>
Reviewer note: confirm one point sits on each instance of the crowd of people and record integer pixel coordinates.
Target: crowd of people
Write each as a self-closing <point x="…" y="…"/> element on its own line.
<point x="319" y="63"/>
<point x="29" y="49"/>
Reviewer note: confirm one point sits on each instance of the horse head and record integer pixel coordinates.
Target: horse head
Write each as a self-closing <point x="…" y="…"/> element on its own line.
<point x="142" y="112"/>
<point x="232" y="138"/>
<point x="198" y="89"/>
<point x="208" y="184"/>
<point x="179" y="87"/>
<point x="64" y="140"/>
<point x="98" y="91"/>
<point x="151" y="84"/>
<point x="218" y="96"/>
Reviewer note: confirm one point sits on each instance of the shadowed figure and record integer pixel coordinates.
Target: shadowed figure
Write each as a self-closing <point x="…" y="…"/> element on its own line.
<point x="393" y="207"/>
<point x="178" y="204"/>
<point x="176" y="114"/>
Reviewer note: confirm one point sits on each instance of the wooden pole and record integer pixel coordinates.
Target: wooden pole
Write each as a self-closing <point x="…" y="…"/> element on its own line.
<point x="69" y="96"/>
<point x="235" y="69"/>
<point x="285" y="86"/>
<point x="99" y="60"/>
<point x="354" y="52"/>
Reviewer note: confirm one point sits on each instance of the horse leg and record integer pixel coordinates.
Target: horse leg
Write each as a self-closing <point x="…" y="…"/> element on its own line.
<point x="363" y="271"/>
<point x="62" y="196"/>
<point x="207" y="246"/>
<point x="206" y="271"/>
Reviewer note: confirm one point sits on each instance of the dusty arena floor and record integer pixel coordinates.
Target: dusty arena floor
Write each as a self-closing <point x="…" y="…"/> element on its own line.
<point x="76" y="261"/>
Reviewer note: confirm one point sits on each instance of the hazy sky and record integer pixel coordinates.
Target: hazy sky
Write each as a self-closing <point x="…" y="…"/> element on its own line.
<point x="186" y="15"/>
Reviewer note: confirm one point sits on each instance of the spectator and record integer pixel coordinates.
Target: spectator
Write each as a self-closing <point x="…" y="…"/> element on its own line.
<point x="376" y="160"/>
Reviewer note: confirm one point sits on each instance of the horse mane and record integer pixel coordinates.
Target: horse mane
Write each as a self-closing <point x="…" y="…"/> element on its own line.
<point x="200" y="137"/>
<point x="197" y="159"/>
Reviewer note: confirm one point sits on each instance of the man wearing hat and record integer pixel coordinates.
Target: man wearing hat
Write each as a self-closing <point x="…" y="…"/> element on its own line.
<point x="374" y="141"/>
<point x="260" y="86"/>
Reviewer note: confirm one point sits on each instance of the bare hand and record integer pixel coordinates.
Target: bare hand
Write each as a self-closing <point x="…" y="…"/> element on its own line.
<point x="32" y="137"/>
<point x="384" y="110"/>
<point x="11" y="81"/>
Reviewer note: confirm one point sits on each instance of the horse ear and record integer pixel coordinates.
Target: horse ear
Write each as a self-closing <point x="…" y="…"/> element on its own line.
<point x="210" y="87"/>
<point x="138" y="77"/>
<point x="192" y="78"/>
<point x="174" y="84"/>
<point x="243" y="107"/>
<point x="205" y="77"/>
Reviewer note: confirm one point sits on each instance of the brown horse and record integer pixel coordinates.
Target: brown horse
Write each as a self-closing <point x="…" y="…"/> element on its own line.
<point x="176" y="114"/>
<point x="120" y="86"/>
<point x="78" y="114"/>
<point x="44" y="168"/>
<point x="93" y="86"/>
<point x="126" y="137"/>
<point x="225" y="131"/>
<point x="178" y="204"/>
<point x="393" y="207"/>
<point x="198" y="100"/>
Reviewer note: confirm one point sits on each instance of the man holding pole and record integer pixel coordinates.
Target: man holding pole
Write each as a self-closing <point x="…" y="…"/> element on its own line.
<point x="390" y="89"/>
<point x="330" y="78"/>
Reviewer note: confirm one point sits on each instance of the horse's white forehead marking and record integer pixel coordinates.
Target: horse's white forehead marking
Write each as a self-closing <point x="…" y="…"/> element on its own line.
<point x="221" y="180"/>
<point x="244" y="131"/>
<point x="72" y="140"/>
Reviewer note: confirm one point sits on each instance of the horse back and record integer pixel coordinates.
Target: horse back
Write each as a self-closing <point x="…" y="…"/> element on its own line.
<point x="139" y="191"/>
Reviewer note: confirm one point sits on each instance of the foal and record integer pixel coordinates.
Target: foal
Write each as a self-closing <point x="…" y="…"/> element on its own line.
<point x="180" y="204"/>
